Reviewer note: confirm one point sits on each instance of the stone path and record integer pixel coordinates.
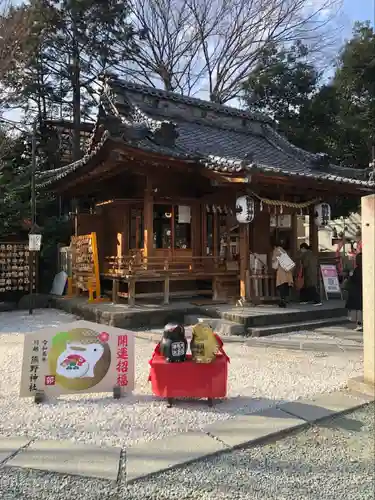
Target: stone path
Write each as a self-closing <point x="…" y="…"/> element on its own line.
<point x="144" y="459"/>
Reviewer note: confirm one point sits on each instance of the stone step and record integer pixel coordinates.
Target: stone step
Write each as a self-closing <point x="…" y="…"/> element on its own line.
<point x="293" y="327"/>
<point x="272" y="316"/>
<point x="221" y="326"/>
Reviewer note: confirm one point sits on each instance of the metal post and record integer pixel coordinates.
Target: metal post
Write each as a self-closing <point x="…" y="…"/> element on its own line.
<point x="33" y="214"/>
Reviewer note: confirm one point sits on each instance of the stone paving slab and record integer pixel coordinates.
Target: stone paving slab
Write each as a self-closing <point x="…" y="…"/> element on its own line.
<point x="342" y="332"/>
<point x="325" y="405"/>
<point x="147" y="458"/>
<point x="310" y="344"/>
<point x="65" y="457"/>
<point x="10" y="445"/>
<point x="245" y="429"/>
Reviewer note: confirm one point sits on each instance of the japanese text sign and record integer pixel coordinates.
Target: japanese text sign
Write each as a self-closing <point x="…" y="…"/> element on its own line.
<point x="330" y="278"/>
<point x="78" y="357"/>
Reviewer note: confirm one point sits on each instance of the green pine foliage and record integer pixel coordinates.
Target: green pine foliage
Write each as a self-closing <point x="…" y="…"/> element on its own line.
<point x="338" y="117"/>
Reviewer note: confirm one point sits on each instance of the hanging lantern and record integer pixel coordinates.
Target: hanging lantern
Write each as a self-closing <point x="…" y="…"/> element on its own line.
<point x="245" y="209"/>
<point x="322" y="214"/>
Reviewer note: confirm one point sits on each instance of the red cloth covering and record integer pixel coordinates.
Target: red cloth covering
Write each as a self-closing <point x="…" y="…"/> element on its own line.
<point x="189" y="379"/>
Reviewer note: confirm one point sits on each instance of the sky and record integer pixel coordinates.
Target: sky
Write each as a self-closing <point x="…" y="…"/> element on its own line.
<point x="359" y="10"/>
<point x="353" y="10"/>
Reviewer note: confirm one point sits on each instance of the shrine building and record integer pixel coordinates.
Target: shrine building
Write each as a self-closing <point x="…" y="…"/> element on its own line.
<point x="162" y="183"/>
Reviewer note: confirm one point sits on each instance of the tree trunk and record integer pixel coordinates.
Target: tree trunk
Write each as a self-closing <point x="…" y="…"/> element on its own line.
<point x="75" y="75"/>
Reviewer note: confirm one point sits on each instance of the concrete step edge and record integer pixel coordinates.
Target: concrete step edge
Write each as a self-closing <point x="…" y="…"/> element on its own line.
<point x="263" y="331"/>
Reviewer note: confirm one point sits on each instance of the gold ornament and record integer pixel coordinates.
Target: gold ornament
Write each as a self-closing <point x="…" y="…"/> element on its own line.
<point x="204" y="346"/>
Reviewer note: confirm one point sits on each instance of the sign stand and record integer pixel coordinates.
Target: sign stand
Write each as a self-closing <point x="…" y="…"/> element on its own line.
<point x="39" y="397"/>
<point x="330" y="279"/>
<point x="117" y="392"/>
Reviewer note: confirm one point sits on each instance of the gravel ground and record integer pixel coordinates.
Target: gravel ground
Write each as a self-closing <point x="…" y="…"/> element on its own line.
<point x="332" y="461"/>
<point x="23" y="322"/>
<point x="259" y="377"/>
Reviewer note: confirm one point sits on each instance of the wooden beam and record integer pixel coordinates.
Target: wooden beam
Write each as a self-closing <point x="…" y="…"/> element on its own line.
<point x="294" y="242"/>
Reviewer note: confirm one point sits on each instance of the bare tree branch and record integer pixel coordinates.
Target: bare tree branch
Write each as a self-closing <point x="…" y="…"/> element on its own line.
<point x="15" y="26"/>
<point x="192" y="46"/>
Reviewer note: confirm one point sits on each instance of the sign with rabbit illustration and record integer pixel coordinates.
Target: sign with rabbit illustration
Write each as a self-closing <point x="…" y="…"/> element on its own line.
<point x="84" y="357"/>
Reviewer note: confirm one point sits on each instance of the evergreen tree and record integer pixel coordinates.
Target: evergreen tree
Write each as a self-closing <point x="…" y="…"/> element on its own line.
<point x="282" y="85"/>
<point x="73" y="42"/>
<point x="337" y="118"/>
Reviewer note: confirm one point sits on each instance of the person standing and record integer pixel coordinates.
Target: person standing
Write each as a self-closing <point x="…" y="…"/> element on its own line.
<point x="284" y="279"/>
<point x="355" y="295"/>
<point x="309" y="263"/>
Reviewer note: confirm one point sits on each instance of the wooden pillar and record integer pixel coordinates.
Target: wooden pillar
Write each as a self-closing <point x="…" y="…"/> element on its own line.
<point x="126" y="231"/>
<point x="204" y="230"/>
<point x="368" y="263"/>
<point x="148" y="219"/>
<point x="196" y="230"/>
<point x="313" y="232"/>
<point x="75" y="213"/>
<point x="294" y="243"/>
<point x="244" y="261"/>
<point x="216" y="236"/>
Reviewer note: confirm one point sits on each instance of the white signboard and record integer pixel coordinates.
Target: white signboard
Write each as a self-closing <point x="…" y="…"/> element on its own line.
<point x="59" y="282"/>
<point x="284" y="221"/>
<point x="35" y="242"/>
<point x="330" y="279"/>
<point x="184" y="215"/>
<point x="79" y="357"/>
<point x="281" y="221"/>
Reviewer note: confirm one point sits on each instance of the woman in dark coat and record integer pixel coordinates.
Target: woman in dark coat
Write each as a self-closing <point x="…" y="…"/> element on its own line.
<point x="354" y="288"/>
<point x="309" y="264"/>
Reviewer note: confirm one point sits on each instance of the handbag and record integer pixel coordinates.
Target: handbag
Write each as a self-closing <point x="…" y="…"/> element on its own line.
<point x="286" y="262"/>
<point x="300" y="279"/>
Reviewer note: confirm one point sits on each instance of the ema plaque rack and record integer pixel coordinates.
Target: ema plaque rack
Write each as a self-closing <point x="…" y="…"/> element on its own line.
<point x="85" y="266"/>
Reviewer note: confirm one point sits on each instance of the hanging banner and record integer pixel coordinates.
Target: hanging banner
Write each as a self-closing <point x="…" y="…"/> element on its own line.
<point x="330" y="280"/>
<point x="79" y="357"/>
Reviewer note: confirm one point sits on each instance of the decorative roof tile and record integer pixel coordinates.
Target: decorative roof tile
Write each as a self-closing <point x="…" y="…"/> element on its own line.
<point x="228" y="141"/>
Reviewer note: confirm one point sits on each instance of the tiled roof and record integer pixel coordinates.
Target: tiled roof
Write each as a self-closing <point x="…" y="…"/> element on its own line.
<point x="223" y="139"/>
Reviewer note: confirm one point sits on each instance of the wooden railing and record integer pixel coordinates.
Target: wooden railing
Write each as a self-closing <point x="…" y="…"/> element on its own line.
<point x="262" y="286"/>
<point x="136" y="265"/>
<point x="137" y="268"/>
<point x="261" y="282"/>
